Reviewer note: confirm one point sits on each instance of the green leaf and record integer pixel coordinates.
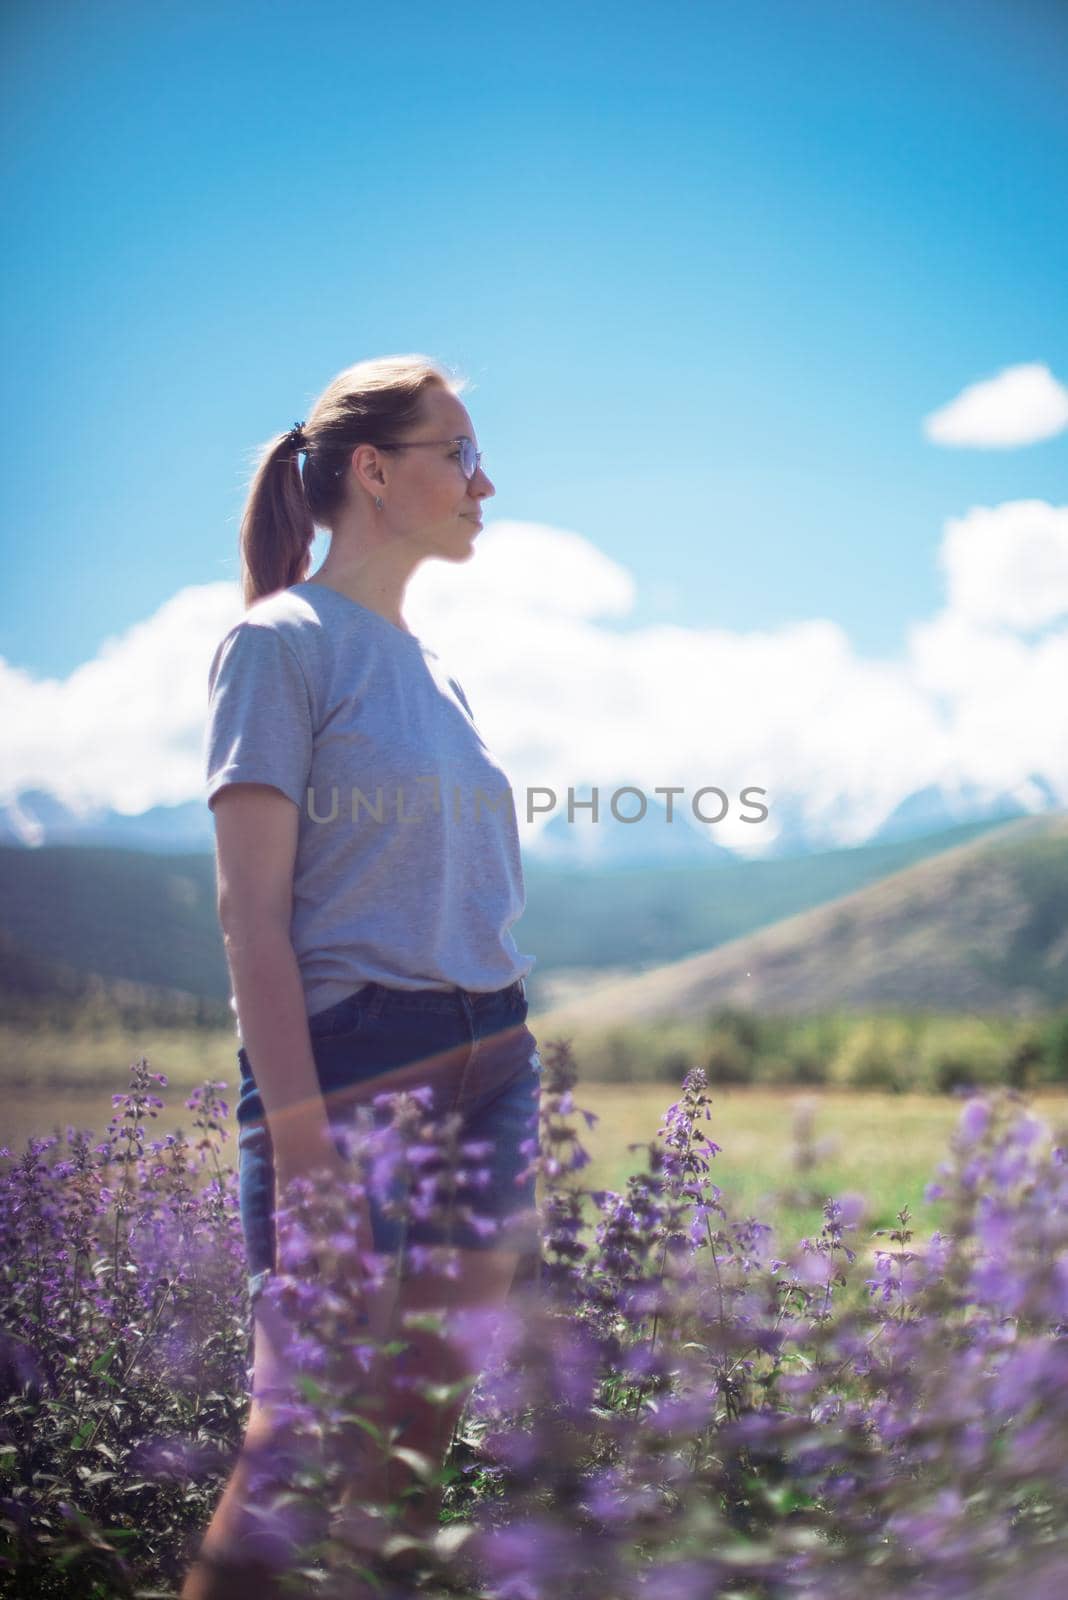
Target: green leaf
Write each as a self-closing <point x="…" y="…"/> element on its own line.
<point x="103" y="1360"/>
<point x="310" y="1389"/>
<point x="366" y="1424"/>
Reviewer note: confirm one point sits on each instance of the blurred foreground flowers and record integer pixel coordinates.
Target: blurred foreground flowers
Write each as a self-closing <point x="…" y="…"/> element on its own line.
<point x="674" y="1404"/>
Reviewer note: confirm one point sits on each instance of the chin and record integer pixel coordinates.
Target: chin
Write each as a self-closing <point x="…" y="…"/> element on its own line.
<point x="454" y="557"/>
<point x="465" y="551"/>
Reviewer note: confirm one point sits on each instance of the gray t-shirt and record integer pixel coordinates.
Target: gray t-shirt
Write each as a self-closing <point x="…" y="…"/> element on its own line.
<point x="408" y="867"/>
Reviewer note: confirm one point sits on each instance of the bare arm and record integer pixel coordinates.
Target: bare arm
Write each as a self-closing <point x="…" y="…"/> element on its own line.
<point x="256" y="841"/>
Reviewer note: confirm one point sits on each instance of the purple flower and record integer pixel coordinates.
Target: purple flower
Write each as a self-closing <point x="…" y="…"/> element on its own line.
<point x="974" y="1121"/>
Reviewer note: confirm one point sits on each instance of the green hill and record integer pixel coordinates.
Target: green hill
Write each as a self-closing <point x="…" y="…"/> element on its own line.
<point x="34" y="990"/>
<point x="151" y="919"/>
<point x="980" y="928"/>
<point x="118" y="913"/>
<point x="638" y="917"/>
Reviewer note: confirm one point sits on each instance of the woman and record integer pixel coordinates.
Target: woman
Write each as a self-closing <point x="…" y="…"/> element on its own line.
<point x="368" y="868"/>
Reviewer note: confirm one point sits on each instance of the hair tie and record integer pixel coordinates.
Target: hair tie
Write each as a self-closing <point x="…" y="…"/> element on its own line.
<point x="296" y="439"/>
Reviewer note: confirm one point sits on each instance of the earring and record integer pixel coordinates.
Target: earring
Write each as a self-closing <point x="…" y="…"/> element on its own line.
<point x="378" y="501"/>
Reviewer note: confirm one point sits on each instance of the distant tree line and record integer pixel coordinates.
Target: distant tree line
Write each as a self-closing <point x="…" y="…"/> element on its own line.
<point x="895" y="1051"/>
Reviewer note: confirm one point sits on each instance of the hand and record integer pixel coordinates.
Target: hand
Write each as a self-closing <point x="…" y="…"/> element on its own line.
<point x="321" y="1162"/>
<point x="301" y="1152"/>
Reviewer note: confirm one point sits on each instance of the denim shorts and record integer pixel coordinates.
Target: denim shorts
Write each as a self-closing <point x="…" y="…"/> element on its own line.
<point x="475" y="1054"/>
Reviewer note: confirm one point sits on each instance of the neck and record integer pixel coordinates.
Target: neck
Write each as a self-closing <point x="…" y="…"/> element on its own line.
<point x="376" y="576"/>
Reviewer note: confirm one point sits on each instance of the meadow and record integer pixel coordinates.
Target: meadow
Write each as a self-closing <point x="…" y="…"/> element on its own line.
<point x="778" y="1344"/>
<point x="807" y="1107"/>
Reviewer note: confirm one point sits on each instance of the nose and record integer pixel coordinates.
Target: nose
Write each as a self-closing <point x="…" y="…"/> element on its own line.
<point x="481" y="485"/>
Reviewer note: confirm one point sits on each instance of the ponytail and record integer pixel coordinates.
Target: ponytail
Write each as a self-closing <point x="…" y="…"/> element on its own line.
<point x="277" y="528"/>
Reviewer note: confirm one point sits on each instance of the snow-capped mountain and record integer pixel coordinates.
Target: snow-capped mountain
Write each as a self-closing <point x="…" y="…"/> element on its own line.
<point x="35" y="817"/>
<point x="942" y="806"/>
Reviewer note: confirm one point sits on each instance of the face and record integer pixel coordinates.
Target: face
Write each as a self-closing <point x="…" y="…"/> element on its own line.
<point x="428" y="501"/>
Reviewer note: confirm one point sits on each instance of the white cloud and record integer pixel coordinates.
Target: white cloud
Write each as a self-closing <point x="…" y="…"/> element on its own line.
<point x="524" y="571"/>
<point x="125" y="728"/>
<point x="564" y="700"/>
<point x="1022" y="405"/>
<point x="1008" y="564"/>
<point x="1005" y="701"/>
<point x="565" y="696"/>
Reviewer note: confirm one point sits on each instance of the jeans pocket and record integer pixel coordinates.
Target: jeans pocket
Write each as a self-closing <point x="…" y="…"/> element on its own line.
<point x="343" y="1020"/>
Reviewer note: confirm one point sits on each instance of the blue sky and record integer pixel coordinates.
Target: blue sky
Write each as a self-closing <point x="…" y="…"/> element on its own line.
<point x="707" y="267"/>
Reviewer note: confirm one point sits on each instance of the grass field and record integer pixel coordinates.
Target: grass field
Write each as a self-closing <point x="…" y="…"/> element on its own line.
<point x="884" y="1146"/>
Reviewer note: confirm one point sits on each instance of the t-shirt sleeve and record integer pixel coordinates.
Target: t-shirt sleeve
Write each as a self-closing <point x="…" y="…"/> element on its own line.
<point x="260" y="725"/>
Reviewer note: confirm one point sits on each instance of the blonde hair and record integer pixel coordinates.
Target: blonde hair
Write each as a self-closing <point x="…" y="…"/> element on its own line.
<point x="373" y="402"/>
